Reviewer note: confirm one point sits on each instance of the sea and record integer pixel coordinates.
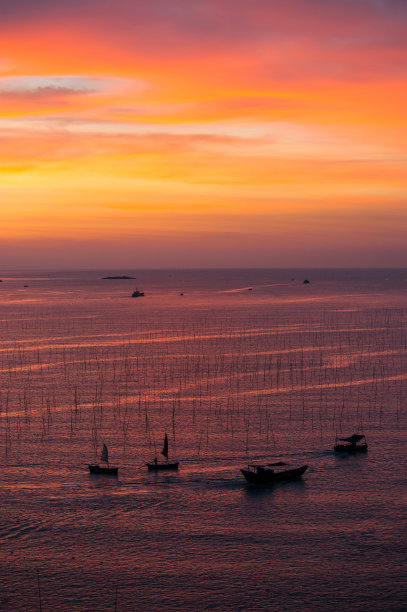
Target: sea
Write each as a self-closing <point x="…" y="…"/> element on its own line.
<point x="236" y="367"/>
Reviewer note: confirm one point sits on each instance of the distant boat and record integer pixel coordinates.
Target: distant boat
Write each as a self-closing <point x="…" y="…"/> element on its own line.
<point x="354" y="444"/>
<point x="156" y="465"/>
<point x="104" y="469"/>
<point x="137" y="293"/>
<point x="267" y="474"/>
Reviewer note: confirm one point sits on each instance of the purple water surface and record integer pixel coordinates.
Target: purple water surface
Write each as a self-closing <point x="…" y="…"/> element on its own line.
<point x="244" y="365"/>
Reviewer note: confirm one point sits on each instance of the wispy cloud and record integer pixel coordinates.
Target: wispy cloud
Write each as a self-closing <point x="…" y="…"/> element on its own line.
<point x="41" y="86"/>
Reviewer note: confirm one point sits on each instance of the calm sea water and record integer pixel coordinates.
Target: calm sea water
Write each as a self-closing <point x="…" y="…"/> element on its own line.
<point x="245" y="365"/>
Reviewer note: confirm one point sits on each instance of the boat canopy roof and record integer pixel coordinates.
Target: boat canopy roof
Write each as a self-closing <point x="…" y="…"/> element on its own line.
<point x="353" y="439"/>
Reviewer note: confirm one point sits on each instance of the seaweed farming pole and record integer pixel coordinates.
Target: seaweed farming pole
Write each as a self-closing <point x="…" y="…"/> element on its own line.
<point x="39" y="589"/>
<point x="115" y="599"/>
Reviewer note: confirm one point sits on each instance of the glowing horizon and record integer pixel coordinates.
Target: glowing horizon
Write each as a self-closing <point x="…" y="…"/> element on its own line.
<point x="204" y="134"/>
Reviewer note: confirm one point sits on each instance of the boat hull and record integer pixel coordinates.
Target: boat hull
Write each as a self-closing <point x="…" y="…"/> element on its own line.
<point x="163" y="466"/>
<point x="350" y="449"/>
<point x="99" y="469"/>
<point x="270" y="477"/>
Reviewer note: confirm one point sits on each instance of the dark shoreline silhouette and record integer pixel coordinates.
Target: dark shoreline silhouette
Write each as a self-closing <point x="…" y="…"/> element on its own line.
<point x="124" y="277"/>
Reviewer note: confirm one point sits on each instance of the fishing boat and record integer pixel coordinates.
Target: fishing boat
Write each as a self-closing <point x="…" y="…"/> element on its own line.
<point x="104" y="469"/>
<point x="137" y="293"/>
<point x="271" y="473"/>
<point x="163" y="465"/>
<point x="354" y="444"/>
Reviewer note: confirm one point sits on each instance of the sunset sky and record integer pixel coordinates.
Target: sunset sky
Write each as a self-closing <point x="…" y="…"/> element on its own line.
<point x="203" y="133"/>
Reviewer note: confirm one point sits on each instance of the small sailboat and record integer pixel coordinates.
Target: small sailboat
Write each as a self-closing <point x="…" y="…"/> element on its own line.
<point x="104" y="469"/>
<point x="166" y="465"/>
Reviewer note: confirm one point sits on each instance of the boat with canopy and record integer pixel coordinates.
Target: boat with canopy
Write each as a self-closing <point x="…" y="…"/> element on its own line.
<point x="353" y="444"/>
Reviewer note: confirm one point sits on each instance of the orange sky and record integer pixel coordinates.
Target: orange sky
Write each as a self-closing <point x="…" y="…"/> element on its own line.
<point x="212" y="133"/>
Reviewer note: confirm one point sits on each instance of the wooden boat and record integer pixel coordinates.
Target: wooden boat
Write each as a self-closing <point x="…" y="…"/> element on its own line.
<point x="166" y="465"/>
<point x="104" y="469"/>
<point x="354" y="444"/>
<point x="267" y="474"/>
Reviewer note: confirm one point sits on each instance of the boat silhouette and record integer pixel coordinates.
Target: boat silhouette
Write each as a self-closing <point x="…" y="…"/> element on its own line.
<point x="166" y="465"/>
<point x="268" y="474"/>
<point x="103" y="469"/>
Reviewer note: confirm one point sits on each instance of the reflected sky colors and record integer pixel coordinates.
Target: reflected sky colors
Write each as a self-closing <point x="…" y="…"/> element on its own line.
<point x="204" y="133"/>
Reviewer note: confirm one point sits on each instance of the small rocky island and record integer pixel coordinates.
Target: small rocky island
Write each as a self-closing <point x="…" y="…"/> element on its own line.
<point x="124" y="277"/>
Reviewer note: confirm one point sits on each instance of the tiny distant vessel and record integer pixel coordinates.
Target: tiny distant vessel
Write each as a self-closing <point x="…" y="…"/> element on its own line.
<point x="354" y="444"/>
<point x="137" y="293"/>
<point x="104" y="469"/>
<point x="156" y="465"/>
<point x="306" y="281"/>
<point x="267" y="474"/>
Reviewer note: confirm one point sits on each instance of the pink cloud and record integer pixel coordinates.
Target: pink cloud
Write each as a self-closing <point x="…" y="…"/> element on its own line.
<point x="325" y="36"/>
